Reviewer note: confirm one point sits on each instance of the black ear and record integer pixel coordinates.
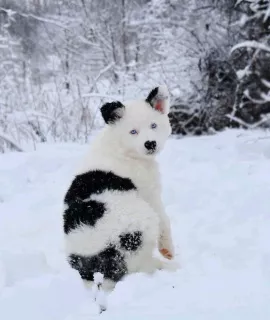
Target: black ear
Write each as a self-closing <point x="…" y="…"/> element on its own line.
<point x="112" y="111"/>
<point x="159" y="99"/>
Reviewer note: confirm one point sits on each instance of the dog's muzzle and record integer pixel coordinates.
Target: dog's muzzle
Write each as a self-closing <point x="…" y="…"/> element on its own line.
<point x="150" y="146"/>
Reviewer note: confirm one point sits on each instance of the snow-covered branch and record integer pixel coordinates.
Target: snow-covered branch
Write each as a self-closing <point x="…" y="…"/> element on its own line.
<point x="251" y="44"/>
<point x="10" y="142"/>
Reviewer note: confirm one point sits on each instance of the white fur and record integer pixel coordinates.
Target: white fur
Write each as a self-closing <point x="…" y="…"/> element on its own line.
<point x="115" y="149"/>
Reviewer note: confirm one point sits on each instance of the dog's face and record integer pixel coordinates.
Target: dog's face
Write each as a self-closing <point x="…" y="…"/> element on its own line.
<point x="142" y="126"/>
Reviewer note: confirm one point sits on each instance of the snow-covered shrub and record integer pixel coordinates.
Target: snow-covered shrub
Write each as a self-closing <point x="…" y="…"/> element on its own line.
<point x="251" y="58"/>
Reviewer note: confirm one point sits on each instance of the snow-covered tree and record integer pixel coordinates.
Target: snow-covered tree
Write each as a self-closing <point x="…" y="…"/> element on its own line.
<point x="208" y="38"/>
<point x="252" y="61"/>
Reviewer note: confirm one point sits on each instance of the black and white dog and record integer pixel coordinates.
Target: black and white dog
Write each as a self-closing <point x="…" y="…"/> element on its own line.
<point x="113" y="214"/>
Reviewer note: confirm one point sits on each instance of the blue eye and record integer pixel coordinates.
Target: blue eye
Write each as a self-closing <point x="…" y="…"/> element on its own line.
<point x="153" y="125"/>
<point x="133" y="131"/>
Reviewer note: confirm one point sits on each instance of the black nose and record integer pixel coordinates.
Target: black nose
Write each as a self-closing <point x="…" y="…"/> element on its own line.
<point x="150" y="145"/>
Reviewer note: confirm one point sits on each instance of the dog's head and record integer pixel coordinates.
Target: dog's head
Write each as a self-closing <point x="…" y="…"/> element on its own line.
<point x="141" y="126"/>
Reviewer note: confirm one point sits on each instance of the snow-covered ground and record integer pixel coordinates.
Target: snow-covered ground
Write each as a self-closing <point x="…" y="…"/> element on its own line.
<point x="217" y="194"/>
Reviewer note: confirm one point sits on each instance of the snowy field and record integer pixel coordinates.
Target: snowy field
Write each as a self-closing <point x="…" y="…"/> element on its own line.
<point x="217" y="194"/>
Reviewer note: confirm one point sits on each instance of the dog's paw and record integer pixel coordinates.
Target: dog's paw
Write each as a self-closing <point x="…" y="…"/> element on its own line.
<point x="166" y="253"/>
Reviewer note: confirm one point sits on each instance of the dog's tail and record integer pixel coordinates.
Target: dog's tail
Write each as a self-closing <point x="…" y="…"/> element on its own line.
<point x="98" y="293"/>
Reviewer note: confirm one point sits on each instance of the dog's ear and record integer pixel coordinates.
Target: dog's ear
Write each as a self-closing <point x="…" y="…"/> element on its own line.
<point x="159" y="99"/>
<point x="112" y="111"/>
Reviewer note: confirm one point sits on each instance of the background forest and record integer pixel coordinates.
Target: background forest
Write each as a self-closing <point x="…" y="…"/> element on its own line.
<point x="60" y="60"/>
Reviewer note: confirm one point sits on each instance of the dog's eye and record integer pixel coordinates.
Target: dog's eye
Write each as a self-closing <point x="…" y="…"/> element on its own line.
<point x="133" y="131"/>
<point x="153" y="125"/>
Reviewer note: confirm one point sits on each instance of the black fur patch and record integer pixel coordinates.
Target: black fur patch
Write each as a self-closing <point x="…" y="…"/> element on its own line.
<point x="110" y="262"/>
<point x="110" y="111"/>
<point x="96" y="182"/>
<point x="79" y="212"/>
<point x="152" y="96"/>
<point x="131" y="241"/>
<point x="82" y="187"/>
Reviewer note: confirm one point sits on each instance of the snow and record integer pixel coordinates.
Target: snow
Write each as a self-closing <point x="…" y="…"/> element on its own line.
<point x="216" y="192"/>
<point x="243" y="73"/>
<point x="98" y="294"/>
<point x="98" y="278"/>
